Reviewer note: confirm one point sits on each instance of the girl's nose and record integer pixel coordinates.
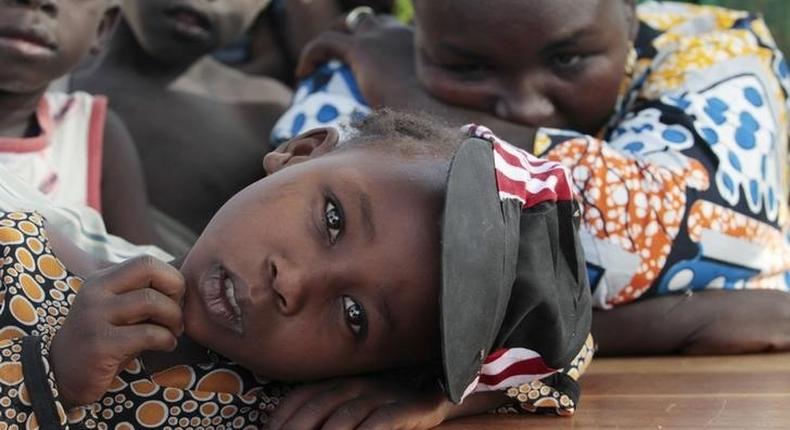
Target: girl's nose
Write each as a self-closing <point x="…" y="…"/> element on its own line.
<point x="294" y="286"/>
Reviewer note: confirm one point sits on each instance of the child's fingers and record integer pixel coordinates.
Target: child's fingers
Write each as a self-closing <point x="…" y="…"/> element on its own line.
<point x="134" y="339"/>
<point x="351" y="414"/>
<point x="293" y="402"/>
<point x="316" y="409"/>
<point x="330" y="45"/>
<point x="144" y="272"/>
<point x="391" y="417"/>
<point x="146" y="305"/>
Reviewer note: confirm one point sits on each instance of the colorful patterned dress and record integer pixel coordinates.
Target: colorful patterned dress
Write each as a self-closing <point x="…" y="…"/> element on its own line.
<point x="686" y="188"/>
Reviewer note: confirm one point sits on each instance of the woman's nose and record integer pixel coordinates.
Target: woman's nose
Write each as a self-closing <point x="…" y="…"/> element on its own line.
<point x="528" y="106"/>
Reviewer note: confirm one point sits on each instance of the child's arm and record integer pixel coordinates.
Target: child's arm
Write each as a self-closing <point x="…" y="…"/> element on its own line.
<point x="708" y="322"/>
<point x="374" y="402"/>
<point x="370" y="403"/>
<point x="124" y="199"/>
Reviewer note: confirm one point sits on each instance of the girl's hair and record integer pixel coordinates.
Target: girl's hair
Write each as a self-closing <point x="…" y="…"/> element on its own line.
<point x="409" y="135"/>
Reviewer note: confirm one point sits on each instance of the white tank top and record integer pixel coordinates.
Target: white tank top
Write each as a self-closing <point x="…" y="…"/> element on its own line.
<point x="64" y="161"/>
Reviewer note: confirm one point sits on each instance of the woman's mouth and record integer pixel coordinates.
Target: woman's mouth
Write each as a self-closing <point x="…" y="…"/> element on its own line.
<point x="218" y="289"/>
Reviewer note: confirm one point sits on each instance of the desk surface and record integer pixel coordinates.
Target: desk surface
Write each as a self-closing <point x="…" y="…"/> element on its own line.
<point x="737" y="392"/>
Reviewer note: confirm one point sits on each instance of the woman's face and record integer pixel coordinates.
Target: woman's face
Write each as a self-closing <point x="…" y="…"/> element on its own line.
<point x="550" y="63"/>
<point x="327" y="268"/>
<point x="181" y="31"/>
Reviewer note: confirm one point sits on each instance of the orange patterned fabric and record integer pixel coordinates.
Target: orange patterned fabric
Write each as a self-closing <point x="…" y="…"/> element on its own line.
<point x="35" y="296"/>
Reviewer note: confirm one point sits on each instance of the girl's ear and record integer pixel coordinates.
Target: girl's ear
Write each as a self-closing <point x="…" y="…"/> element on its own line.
<point x="307" y="145"/>
<point x="106" y="26"/>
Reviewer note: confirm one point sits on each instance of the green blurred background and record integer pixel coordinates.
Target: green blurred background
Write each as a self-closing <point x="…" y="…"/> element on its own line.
<point x="776" y="13"/>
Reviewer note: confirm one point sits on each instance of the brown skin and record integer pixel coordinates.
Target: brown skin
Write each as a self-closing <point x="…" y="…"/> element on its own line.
<point x="381" y="54"/>
<point x="567" y="73"/>
<point x="70" y="30"/>
<point x="298" y="282"/>
<point x="710" y="322"/>
<point x="196" y="151"/>
<point x="299" y="277"/>
<point x="155" y="26"/>
<point x="274" y="49"/>
<point x="119" y="313"/>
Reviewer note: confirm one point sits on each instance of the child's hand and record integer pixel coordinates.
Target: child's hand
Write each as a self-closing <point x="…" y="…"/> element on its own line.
<point x="119" y="313"/>
<point x="380" y="52"/>
<point x="360" y="403"/>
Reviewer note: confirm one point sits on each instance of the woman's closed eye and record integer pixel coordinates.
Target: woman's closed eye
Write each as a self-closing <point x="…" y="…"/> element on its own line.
<point x="469" y="71"/>
<point x="355" y="316"/>
<point x="334" y="221"/>
<point x="566" y="61"/>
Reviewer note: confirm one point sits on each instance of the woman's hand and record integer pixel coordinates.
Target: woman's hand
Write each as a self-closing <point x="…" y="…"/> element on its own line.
<point x="360" y="403"/>
<point x="119" y="313"/>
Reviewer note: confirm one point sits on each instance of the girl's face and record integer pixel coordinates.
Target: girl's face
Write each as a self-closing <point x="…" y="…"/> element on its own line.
<point x="326" y="268"/>
<point x="549" y="63"/>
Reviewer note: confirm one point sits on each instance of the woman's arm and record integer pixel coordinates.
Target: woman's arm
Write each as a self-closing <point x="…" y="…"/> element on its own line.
<point x="708" y="322"/>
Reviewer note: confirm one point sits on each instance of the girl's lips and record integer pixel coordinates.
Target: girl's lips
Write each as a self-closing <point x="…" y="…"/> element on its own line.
<point x="218" y="290"/>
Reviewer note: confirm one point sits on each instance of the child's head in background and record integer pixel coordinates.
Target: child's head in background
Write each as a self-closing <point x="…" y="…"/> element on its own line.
<point x="182" y="31"/>
<point x="42" y="40"/>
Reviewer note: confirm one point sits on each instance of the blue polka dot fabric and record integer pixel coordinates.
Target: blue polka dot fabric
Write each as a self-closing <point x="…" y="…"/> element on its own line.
<point x="329" y="97"/>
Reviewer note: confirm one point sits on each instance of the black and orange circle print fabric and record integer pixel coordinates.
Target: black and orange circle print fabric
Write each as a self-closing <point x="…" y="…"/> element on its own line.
<point x="35" y="296"/>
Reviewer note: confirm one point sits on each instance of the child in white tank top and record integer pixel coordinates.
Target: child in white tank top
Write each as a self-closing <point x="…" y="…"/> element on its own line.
<point x="67" y="146"/>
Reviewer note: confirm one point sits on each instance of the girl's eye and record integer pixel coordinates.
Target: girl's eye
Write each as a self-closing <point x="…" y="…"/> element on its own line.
<point x="333" y="217"/>
<point x="566" y="60"/>
<point x="356" y="318"/>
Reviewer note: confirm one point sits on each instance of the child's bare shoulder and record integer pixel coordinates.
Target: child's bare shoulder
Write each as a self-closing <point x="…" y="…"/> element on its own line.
<point x="221" y="83"/>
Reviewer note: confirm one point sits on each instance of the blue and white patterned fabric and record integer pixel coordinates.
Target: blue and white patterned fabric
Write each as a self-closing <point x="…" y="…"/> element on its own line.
<point x="330" y="97"/>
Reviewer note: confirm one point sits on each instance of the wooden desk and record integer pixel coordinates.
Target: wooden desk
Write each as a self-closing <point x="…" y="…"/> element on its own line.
<point x="734" y="392"/>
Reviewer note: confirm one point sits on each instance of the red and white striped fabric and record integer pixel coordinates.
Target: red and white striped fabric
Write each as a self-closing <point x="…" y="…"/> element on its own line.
<point x="531" y="181"/>
<point x="509" y="367"/>
<point x="522" y="176"/>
